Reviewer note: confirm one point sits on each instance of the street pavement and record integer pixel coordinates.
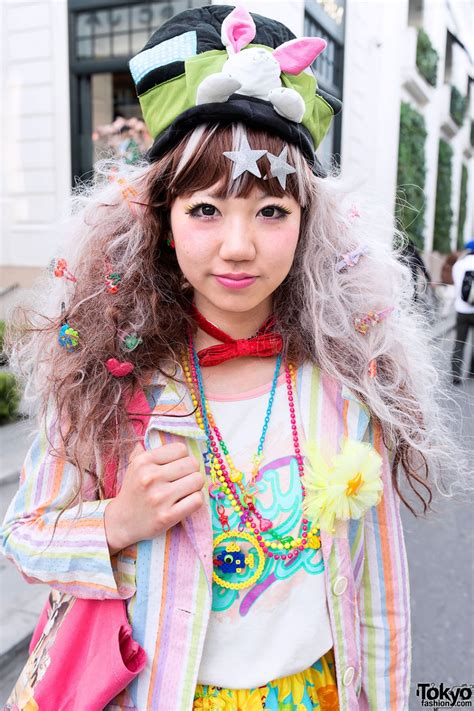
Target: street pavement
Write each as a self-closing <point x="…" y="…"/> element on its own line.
<point x="440" y="555"/>
<point x="440" y="550"/>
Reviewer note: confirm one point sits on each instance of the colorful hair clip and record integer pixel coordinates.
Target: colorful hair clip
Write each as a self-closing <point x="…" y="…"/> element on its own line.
<point x="351" y="258"/>
<point x="119" y="368"/>
<point x="363" y="324"/>
<point x="112" y="282"/>
<point x="129" y="341"/>
<point x="373" y="368"/>
<point x="58" y="267"/>
<point x="127" y="191"/>
<point x="112" y="279"/>
<point x="170" y="242"/>
<point x="68" y="338"/>
<point x="354" y="212"/>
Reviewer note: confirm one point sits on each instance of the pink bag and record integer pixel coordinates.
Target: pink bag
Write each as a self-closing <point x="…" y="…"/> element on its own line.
<point x="82" y="653"/>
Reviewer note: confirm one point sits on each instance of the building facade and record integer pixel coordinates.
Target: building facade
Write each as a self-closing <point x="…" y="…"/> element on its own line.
<point x="69" y="101"/>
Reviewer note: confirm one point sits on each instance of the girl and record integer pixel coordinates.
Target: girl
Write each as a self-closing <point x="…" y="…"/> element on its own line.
<point x="256" y="536"/>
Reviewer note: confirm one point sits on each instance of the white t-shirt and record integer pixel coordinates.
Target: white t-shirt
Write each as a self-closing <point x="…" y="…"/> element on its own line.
<point x="279" y="625"/>
<point x="459" y="269"/>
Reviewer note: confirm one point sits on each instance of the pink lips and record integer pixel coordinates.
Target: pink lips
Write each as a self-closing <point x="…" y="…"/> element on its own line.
<point x="235" y="281"/>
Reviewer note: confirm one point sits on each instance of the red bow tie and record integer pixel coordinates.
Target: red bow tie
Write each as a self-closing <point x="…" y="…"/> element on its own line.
<point x="264" y="344"/>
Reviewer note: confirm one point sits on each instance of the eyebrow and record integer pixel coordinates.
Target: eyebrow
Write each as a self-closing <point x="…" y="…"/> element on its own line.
<point x="261" y="195"/>
<point x="215" y="194"/>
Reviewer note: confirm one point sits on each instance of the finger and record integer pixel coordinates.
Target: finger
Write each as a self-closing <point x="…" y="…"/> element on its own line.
<point x="136" y="451"/>
<point x="187" y="506"/>
<point x="167" y="453"/>
<point x="178" y="469"/>
<point x="186" y="486"/>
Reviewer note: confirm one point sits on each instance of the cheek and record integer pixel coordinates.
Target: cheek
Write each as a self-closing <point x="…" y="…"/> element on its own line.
<point x="193" y="246"/>
<point x="280" y="249"/>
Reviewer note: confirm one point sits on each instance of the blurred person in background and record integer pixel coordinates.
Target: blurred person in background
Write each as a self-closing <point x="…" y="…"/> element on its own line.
<point x="447" y="268"/>
<point x="463" y="278"/>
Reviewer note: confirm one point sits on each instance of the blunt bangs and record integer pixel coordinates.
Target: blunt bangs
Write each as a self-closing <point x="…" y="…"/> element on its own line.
<point x="199" y="163"/>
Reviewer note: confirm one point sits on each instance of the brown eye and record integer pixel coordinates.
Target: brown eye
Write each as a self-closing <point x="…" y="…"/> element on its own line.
<point x="208" y="210"/>
<point x="268" y="212"/>
<point x="274" y="212"/>
<point x="204" y="209"/>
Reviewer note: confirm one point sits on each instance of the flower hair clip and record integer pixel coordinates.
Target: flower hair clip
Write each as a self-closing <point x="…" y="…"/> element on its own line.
<point x="58" y="268"/>
<point x="363" y="324"/>
<point x="351" y="258"/>
<point x="343" y="489"/>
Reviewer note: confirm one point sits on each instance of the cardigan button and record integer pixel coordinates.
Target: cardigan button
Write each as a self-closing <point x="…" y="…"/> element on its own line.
<point x="348" y="677"/>
<point x="340" y="585"/>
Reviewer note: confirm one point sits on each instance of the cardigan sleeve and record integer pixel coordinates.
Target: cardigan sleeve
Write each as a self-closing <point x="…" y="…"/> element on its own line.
<point x="71" y="553"/>
<point x="383" y="597"/>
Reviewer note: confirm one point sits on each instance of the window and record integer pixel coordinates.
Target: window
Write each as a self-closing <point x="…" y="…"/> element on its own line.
<point x="415" y="13"/>
<point x="328" y="69"/>
<point x="105" y="112"/>
<point x="120" y="31"/>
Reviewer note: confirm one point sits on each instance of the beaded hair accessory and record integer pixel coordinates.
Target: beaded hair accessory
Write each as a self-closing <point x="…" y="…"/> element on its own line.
<point x="68" y="337"/>
<point x="363" y="324"/>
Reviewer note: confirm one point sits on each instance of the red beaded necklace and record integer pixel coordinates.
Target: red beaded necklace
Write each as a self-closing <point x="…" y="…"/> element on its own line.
<point x="243" y="503"/>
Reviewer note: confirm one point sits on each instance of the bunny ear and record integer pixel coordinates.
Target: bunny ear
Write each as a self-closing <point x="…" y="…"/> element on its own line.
<point x="238" y="30"/>
<point x="298" y="54"/>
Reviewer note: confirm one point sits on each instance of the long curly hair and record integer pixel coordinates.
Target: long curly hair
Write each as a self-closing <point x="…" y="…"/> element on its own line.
<point x="121" y="223"/>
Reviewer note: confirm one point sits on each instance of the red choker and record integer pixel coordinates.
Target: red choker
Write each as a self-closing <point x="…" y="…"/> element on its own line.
<point x="265" y="343"/>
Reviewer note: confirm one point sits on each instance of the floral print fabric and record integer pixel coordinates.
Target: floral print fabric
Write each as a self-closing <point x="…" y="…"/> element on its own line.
<point x="313" y="689"/>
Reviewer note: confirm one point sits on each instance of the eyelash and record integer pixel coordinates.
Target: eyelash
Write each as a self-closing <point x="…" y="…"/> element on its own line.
<point x="192" y="209"/>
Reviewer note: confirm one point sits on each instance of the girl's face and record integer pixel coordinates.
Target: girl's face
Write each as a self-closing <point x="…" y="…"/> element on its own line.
<point x="235" y="251"/>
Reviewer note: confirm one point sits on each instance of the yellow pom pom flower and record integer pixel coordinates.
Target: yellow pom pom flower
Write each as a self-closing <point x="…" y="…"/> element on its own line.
<point x="344" y="489"/>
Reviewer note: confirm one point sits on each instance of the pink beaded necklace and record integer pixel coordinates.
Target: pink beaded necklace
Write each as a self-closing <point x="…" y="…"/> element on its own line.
<point x="229" y="481"/>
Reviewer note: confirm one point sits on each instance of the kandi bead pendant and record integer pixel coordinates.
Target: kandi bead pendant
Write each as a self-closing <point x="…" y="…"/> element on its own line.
<point x="233" y="559"/>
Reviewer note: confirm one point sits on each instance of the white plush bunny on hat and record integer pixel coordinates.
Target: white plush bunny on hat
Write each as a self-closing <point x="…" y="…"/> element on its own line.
<point x="256" y="71"/>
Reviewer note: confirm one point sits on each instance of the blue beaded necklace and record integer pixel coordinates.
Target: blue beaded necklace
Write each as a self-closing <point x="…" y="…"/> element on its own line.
<point x="204" y="408"/>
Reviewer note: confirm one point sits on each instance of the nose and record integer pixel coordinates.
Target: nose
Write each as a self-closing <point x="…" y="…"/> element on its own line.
<point x="238" y="241"/>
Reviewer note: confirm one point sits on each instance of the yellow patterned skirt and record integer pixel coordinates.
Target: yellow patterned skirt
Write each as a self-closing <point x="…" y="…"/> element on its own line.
<point x="312" y="689"/>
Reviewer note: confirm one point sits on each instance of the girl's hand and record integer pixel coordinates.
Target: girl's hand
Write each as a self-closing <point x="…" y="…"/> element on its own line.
<point x="160" y="487"/>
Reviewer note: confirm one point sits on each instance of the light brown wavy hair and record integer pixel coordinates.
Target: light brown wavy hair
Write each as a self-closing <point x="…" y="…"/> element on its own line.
<point x="121" y="223"/>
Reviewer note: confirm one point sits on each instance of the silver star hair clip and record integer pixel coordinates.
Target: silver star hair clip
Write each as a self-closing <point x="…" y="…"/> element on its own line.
<point x="279" y="167"/>
<point x="246" y="158"/>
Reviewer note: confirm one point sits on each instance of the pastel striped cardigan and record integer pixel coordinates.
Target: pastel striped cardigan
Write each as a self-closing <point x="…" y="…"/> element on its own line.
<point x="168" y="580"/>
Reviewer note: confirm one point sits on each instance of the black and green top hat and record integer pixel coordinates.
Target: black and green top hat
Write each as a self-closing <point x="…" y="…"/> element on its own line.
<point x="219" y="64"/>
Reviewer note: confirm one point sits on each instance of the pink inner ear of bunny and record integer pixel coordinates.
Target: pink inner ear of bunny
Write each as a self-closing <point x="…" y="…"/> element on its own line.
<point x="238" y="29"/>
<point x="298" y="54"/>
